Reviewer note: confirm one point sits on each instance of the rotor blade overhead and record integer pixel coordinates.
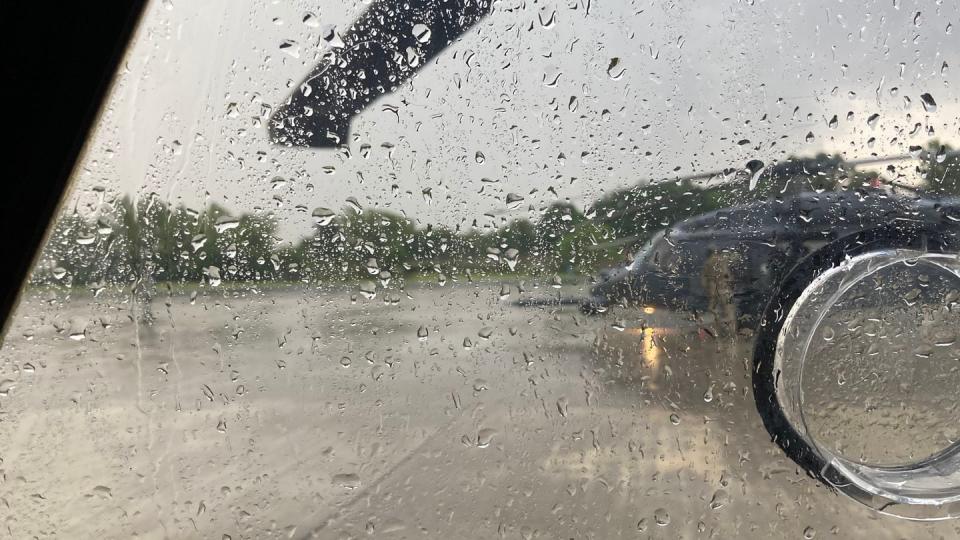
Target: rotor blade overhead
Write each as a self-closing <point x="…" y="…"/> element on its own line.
<point x="384" y="47"/>
<point x="806" y="166"/>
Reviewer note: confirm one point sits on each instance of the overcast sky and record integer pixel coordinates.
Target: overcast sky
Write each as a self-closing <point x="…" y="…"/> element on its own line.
<point x="698" y="79"/>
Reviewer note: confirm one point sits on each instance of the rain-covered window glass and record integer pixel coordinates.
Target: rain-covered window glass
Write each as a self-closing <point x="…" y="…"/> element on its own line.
<point x="512" y="269"/>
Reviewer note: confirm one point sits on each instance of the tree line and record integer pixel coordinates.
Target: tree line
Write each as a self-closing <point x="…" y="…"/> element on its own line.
<point x="145" y="241"/>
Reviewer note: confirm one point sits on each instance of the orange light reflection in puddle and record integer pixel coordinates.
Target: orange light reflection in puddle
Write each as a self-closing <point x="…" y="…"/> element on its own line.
<point x="651" y="355"/>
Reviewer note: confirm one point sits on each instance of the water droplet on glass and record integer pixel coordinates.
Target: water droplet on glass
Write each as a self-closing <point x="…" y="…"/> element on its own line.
<point x="354" y="204"/>
<point x="675" y="419"/>
<point x="514" y="201"/>
<point x="311" y="20"/>
<point x="290" y="47"/>
<point x="349" y="481"/>
<point x="423" y="333"/>
<point x="719" y="500"/>
<point x="421" y="32"/>
<point x="929" y="104"/>
<point x="562" y="406"/>
<point x="550" y="21"/>
<point x="485" y="437"/>
<point x="485" y="332"/>
<point x="480" y="157"/>
<point x="323" y="216"/>
<point x="332" y="37"/>
<point x="511" y="256"/>
<point x="833" y="123"/>
<point x="828" y="333"/>
<point x="809" y="533"/>
<point x="368" y="289"/>
<point x="809" y="138"/>
<point x="198" y="241"/>
<point x="614" y="69"/>
<point x="104" y="226"/>
<point x="225" y="223"/>
<point x="872" y="120"/>
<point x="661" y="516"/>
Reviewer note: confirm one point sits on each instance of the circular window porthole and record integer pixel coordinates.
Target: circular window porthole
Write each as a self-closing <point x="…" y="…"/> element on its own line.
<point x="865" y="381"/>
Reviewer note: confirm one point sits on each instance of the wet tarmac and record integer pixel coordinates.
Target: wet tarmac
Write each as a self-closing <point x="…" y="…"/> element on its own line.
<point x="435" y="412"/>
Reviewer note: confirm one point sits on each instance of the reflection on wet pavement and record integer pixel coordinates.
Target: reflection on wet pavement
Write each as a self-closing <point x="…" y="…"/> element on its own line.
<point x="296" y="414"/>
